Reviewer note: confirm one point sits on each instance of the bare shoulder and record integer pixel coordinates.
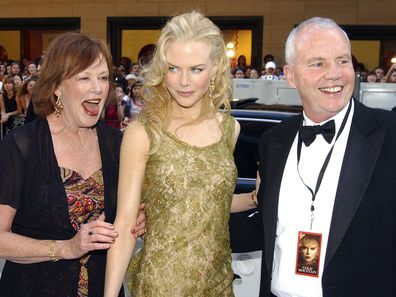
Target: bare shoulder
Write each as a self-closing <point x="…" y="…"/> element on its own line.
<point x="136" y="135"/>
<point x="136" y="129"/>
<point x="221" y="116"/>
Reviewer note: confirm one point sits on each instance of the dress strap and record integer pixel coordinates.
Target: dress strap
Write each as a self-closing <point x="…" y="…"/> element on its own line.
<point x="149" y="131"/>
<point x="228" y="129"/>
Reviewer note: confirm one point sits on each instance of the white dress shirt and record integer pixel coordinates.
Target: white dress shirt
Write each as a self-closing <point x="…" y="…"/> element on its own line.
<point x="294" y="212"/>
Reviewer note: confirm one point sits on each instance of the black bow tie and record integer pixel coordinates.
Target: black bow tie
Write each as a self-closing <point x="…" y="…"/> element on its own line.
<point x="308" y="133"/>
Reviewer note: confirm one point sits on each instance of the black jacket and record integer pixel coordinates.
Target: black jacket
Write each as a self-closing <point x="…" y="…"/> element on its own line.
<point x="30" y="182"/>
<point x="361" y="253"/>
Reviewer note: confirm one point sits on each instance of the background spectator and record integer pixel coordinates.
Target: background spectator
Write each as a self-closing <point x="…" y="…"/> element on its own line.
<point x="379" y="72"/>
<point x="253" y="74"/>
<point x="239" y="73"/>
<point x="269" y="69"/>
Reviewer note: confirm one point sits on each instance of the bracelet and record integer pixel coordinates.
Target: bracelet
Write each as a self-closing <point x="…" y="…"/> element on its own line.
<point x="253" y="196"/>
<point x="51" y="251"/>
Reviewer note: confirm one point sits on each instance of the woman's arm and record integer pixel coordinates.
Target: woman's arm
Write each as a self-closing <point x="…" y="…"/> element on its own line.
<point x="120" y="113"/>
<point x="17" y="111"/>
<point x="134" y="155"/>
<point x="120" y="109"/>
<point x="20" y="103"/>
<point x="96" y="235"/>
<point x="240" y="202"/>
<point x="2" y="110"/>
<point x="15" y="247"/>
<point x="244" y="201"/>
<point x="390" y="70"/>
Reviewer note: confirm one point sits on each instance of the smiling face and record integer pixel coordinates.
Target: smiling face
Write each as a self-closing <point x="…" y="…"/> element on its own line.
<point x="322" y="72"/>
<point x="190" y="69"/>
<point x="32" y="68"/>
<point x="84" y="94"/>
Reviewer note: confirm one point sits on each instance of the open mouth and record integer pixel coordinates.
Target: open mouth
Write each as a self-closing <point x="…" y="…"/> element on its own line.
<point x="91" y="107"/>
<point x="331" y="90"/>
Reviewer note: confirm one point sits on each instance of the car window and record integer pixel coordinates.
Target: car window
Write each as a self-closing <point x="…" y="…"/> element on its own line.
<point x="246" y="150"/>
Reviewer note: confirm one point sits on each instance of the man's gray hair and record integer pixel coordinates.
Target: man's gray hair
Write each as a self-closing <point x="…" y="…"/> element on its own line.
<point x="324" y="23"/>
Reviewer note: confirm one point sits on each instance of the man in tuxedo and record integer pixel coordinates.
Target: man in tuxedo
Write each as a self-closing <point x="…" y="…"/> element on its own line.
<point x="329" y="174"/>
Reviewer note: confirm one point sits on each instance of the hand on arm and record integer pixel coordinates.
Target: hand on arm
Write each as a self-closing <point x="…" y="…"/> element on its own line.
<point x="140" y="228"/>
<point x="246" y="201"/>
<point x="95" y="235"/>
<point x="134" y="155"/>
<point x="22" y="249"/>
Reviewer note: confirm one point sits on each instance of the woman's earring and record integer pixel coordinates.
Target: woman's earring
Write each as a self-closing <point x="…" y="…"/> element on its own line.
<point x="211" y="88"/>
<point x="58" y="106"/>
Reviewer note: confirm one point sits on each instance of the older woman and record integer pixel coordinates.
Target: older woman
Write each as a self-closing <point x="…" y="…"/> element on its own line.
<point x="58" y="178"/>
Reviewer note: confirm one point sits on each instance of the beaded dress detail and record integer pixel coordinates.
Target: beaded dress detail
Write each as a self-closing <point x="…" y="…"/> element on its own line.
<point x="188" y="192"/>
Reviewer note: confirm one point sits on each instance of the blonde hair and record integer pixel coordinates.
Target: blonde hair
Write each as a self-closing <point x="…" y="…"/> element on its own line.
<point x="192" y="26"/>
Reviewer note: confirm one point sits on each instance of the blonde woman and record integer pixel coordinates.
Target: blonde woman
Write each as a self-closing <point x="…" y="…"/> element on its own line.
<point x="178" y="158"/>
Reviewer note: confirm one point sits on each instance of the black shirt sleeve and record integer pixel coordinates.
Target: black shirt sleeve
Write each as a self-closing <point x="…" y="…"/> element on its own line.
<point x="11" y="171"/>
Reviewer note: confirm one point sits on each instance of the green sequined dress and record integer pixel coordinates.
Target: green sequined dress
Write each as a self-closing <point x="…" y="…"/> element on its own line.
<point x="188" y="192"/>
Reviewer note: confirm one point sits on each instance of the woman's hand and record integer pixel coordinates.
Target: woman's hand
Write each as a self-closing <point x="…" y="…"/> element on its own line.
<point x="95" y="235"/>
<point x="140" y="228"/>
<point x="4" y="117"/>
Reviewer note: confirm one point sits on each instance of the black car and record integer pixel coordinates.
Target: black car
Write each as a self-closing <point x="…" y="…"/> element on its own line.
<point x="254" y="120"/>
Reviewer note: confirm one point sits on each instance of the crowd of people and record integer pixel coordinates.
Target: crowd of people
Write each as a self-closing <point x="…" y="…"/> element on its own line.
<point x="270" y="71"/>
<point x="377" y="75"/>
<point x="16" y="88"/>
<point x="72" y="188"/>
<point x="17" y="84"/>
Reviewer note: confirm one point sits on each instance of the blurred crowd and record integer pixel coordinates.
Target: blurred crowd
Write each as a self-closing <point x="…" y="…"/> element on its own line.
<point x="17" y="81"/>
<point x="272" y="71"/>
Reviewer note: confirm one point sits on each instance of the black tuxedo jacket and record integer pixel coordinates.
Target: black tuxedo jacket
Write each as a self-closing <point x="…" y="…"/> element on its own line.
<point x="361" y="253"/>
